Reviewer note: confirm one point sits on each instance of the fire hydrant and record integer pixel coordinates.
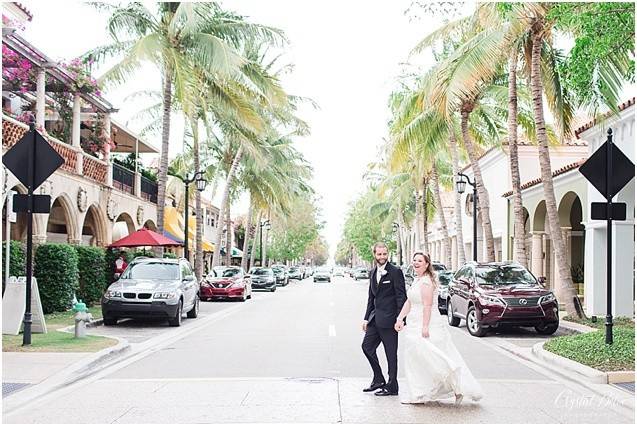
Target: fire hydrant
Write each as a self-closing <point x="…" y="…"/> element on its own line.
<point x="82" y="316"/>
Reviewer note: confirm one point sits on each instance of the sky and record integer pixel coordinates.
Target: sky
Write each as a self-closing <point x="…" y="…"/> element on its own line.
<point x="346" y="57"/>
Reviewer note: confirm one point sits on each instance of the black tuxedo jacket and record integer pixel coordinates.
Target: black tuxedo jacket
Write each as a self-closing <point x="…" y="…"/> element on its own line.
<point x="386" y="298"/>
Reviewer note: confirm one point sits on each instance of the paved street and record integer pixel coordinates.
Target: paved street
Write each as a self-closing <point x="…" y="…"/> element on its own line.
<point x="294" y="356"/>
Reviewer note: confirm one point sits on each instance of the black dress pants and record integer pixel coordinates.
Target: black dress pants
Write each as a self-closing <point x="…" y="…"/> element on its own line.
<point x="389" y="337"/>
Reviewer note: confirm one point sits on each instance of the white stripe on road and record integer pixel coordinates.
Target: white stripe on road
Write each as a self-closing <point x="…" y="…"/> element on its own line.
<point x="332" y="330"/>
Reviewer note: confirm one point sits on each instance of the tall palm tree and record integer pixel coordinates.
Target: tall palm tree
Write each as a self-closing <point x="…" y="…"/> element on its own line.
<point x="173" y="38"/>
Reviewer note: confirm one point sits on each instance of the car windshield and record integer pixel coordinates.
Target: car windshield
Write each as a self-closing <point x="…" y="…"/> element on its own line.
<point x="152" y="271"/>
<point x="277" y="270"/>
<point x="261" y="271"/>
<point x="438" y="267"/>
<point x="231" y="272"/>
<point x="503" y="275"/>
<point x="444" y="277"/>
<point x="323" y="270"/>
<point x="294" y="269"/>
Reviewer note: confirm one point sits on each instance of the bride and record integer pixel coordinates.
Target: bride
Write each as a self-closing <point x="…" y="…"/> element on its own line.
<point x="433" y="366"/>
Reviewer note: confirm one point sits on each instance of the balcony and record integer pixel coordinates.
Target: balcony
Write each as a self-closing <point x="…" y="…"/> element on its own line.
<point x="78" y="162"/>
<point x="123" y="179"/>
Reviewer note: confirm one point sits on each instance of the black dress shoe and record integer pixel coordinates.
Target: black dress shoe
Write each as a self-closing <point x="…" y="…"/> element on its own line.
<point x="385" y="392"/>
<point x="374" y="386"/>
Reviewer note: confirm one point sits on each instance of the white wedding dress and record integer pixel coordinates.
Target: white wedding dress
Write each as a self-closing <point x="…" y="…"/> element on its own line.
<point x="433" y="366"/>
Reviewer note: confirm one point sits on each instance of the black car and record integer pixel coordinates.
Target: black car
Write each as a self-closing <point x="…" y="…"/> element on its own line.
<point x="444" y="278"/>
<point x="263" y="278"/>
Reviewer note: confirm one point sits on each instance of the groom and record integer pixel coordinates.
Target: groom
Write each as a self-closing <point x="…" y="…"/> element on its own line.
<point x="386" y="297"/>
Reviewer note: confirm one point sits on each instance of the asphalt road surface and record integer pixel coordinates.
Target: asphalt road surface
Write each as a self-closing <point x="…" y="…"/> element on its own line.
<point x="294" y="356"/>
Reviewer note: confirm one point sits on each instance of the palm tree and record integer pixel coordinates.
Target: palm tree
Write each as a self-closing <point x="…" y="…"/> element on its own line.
<point x="174" y="38"/>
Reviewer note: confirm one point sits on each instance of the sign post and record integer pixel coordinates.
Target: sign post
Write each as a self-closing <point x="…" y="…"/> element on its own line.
<point x="41" y="161"/>
<point x="608" y="170"/>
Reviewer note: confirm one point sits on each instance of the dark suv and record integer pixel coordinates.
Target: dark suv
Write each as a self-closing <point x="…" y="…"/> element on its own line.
<point x="497" y="294"/>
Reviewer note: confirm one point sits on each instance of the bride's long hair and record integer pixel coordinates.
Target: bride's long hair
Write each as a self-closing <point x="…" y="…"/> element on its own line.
<point x="430" y="269"/>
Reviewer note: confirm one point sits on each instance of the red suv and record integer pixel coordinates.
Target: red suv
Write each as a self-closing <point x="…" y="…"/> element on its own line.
<point x="498" y="294"/>
<point x="233" y="283"/>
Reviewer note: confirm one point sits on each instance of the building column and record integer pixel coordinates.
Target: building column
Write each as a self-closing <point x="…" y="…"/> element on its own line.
<point x="537" y="254"/>
<point x="40" y="101"/>
<point x="454" y="252"/>
<point x="137" y="189"/>
<point x="107" y="150"/>
<point x="75" y="133"/>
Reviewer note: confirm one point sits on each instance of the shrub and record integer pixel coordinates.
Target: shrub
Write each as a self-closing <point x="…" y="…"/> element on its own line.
<point x="91" y="262"/>
<point x="170" y="255"/>
<point x="57" y="273"/>
<point x="17" y="258"/>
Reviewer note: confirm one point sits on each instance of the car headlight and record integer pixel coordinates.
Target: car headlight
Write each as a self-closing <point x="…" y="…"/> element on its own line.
<point x="547" y="298"/>
<point x="110" y="294"/>
<point x="164" y="295"/>
<point x="494" y="300"/>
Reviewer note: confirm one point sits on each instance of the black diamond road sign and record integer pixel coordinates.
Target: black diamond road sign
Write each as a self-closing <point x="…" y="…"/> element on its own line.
<point x="594" y="170"/>
<point x="47" y="160"/>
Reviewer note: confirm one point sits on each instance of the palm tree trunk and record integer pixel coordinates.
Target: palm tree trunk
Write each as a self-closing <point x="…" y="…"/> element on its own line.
<point x="443" y="222"/>
<point x="457" y="204"/>
<point x="483" y="194"/>
<point x="198" y="214"/>
<point x="519" y="245"/>
<point x="162" y="178"/>
<point x="566" y="290"/>
<point x="228" y="259"/>
<point x="224" y="201"/>
<point x="417" y="218"/>
<point x="248" y="234"/>
<point x="257" y="229"/>
<point x="425" y="214"/>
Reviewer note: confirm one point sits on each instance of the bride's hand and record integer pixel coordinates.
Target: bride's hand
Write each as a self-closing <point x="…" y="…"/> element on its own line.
<point x="399" y="325"/>
<point x="425" y="332"/>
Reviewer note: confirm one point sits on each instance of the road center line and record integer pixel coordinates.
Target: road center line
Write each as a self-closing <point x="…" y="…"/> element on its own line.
<point x="332" y="330"/>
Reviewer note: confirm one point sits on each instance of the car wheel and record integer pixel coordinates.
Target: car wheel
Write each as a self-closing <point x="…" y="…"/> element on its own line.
<point x="273" y="289"/>
<point x="110" y="321"/>
<point x="473" y="325"/>
<point x="547" y="329"/>
<point x="194" y="312"/>
<point x="451" y="319"/>
<point x="176" y="320"/>
<point x="442" y="311"/>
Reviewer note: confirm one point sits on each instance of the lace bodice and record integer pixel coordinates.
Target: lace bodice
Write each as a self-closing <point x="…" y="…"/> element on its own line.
<point x="414" y="294"/>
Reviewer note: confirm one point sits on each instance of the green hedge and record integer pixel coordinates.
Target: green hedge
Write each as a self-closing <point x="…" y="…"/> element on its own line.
<point x="91" y="262"/>
<point x="56" y="268"/>
<point x="17" y="258"/>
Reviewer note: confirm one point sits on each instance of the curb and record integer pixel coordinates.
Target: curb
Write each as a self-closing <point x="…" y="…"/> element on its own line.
<point x="67" y="376"/>
<point x="621" y="377"/>
<point x="587" y="373"/>
<point x="575" y="328"/>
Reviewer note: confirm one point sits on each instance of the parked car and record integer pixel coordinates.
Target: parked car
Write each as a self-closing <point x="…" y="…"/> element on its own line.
<point x="361" y="274"/>
<point x="232" y="284"/>
<point x="339" y="272"/>
<point x="263" y="278"/>
<point x="408" y="273"/>
<point x="444" y="278"/>
<point x="322" y="274"/>
<point x="498" y="294"/>
<point x="281" y="274"/>
<point x="437" y="266"/>
<point x="153" y="287"/>
<point x="295" y="273"/>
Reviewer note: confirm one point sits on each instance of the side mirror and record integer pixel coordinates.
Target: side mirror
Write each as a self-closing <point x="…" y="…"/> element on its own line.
<point x="542" y="281"/>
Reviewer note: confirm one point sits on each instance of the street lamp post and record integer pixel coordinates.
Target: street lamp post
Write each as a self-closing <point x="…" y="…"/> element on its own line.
<point x="201" y="186"/>
<point x="265" y="224"/>
<point x="396" y="230"/>
<point x="461" y="183"/>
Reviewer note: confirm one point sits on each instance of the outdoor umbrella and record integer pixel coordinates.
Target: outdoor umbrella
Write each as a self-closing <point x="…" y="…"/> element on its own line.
<point x="145" y="237"/>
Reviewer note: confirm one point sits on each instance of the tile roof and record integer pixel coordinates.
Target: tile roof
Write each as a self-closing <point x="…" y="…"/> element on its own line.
<point x="592" y="123"/>
<point x="560" y="171"/>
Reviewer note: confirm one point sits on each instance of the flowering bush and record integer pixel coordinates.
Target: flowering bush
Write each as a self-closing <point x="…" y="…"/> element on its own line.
<point x="17" y="70"/>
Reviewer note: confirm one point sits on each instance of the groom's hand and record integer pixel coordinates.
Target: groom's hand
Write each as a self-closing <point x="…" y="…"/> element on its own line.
<point x="399" y="325"/>
<point x="364" y="325"/>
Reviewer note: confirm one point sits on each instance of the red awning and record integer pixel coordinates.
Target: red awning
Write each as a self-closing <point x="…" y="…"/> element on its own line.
<point x="145" y="237"/>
